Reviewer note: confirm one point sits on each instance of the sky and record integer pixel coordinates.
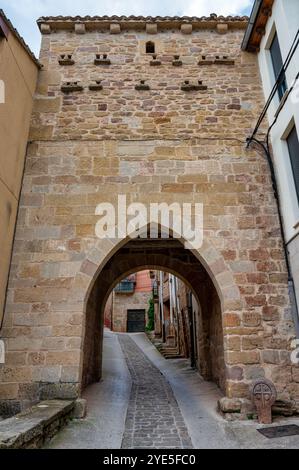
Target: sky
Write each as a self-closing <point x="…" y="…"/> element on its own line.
<point x="23" y="13"/>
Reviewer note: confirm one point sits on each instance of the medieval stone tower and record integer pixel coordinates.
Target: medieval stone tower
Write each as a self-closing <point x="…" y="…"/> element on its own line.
<point x="157" y="109"/>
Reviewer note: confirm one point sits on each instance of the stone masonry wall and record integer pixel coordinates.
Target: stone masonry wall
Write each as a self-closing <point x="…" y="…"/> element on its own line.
<point x="164" y="145"/>
<point x="123" y="303"/>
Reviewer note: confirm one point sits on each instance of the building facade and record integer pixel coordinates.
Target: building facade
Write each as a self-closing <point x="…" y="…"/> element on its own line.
<point x="173" y="316"/>
<point x="128" y="305"/>
<point x="18" y="77"/>
<point x="179" y="325"/>
<point x="158" y="110"/>
<point x="273" y="35"/>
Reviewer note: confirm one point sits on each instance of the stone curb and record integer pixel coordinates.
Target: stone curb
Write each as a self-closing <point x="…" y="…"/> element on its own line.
<point x="31" y="428"/>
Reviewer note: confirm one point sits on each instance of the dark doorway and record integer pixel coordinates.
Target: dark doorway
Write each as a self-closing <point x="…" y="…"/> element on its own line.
<point x="136" y="321"/>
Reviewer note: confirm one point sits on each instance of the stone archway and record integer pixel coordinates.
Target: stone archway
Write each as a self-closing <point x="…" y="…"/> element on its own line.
<point x="205" y="272"/>
<point x="210" y="258"/>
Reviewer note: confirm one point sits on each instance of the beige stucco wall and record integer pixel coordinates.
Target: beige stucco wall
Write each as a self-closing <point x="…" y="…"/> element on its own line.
<point x="19" y="74"/>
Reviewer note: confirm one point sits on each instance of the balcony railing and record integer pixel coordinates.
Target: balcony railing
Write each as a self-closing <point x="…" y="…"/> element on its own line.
<point x="125" y="287"/>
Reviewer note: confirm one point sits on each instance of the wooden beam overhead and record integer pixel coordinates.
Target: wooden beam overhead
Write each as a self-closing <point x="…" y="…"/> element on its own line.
<point x="259" y="27"/>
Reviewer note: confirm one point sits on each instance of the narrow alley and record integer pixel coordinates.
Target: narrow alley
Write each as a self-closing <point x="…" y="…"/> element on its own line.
<point x="145" y="401"/>
<point x="154" y="419"/>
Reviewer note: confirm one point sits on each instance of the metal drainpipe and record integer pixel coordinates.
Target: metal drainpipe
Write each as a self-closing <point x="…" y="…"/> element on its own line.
<point x="112" y="309"/>
<point x="162" y="306"/>
<point x="178" y="312"/>
<point x="171" y="299"/>
<point x="190" y="314"/>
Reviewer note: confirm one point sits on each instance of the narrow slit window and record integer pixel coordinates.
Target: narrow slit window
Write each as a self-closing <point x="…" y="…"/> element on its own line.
<point x="150" y="47"/>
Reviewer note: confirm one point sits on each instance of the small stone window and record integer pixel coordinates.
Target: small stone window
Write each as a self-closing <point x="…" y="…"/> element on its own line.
<point x="66" y="59"/>
<point x="150" y="47"/>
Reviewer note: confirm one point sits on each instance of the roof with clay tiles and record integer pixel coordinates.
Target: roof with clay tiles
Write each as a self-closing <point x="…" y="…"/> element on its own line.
<point x="64" y="22"/>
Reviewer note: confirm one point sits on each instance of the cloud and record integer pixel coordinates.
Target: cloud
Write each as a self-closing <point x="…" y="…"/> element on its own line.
<point x="205" y="7"/>
<point x="35" y="8"/>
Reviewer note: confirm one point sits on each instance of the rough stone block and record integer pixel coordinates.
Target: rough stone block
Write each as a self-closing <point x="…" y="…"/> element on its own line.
<point x="41" y="132"/>
<point x="243" y="357"/>
<point x="80" y="409"/>
<point x="251" y="319"/>
<point x="284" y="408"/>
<point x="45" y="28"/>
<point x="237" y="389"/>
<point x="247" y="408"/>
<point x="115" y="28"/>
<point x="47" y="105"/>
<point x="231" y="320"/>
<point x="8" y="391"/>
<point x="49" y="374"/>
<point x="46" y="78"/>
<point x="151" y="28"/>
<point x="186" y="28"/>
<point x="70" y="374"/>
<point x="235" y="373"/>
<point x="252" y="342"/>
<point x="230" y="405"/>
<point x="80" y="28"/>
<point x="222" y="28"/>
<point x="59" y="391"/>
<point x="63" y="358"/>
<point x="254" y="373"/>
<point x="270" y="356"/>
<point x="9" y="408"/>
<point x="233" y="343"/>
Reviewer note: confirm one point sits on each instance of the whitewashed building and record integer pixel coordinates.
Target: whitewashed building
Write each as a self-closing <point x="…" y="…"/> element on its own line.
<point x="273" y="34"/>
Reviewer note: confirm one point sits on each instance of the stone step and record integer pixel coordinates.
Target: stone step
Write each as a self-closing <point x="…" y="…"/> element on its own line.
<point x="173" y="356"/>
<point x="31" y="428"/>
<point x="168" y="351"/>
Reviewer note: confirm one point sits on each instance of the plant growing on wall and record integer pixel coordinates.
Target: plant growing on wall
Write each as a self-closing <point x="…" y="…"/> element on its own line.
<point x="151" y="316"/>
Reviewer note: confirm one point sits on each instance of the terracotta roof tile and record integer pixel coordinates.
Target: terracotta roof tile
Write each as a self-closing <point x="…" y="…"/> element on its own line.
<point x="133" y="19"/>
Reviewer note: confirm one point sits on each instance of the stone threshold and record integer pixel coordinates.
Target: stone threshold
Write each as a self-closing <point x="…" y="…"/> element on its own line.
<point x="31" y="428"/>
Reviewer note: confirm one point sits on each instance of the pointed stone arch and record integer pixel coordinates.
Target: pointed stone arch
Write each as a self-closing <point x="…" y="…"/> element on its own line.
<point x="212" y="260"/>
<point x="97" y="260"/>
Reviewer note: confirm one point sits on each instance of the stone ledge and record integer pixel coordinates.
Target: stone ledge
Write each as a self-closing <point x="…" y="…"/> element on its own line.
<point x="31" y="428"/>
<point x="140" y="23"/>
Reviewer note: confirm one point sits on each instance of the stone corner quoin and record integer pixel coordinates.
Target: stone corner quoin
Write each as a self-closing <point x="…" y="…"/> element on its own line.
<point x="161" y="143"/>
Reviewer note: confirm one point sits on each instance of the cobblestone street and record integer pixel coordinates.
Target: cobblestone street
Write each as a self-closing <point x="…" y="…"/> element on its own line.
<point x="154" y="419"/>
<point x="144" y="401"/>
